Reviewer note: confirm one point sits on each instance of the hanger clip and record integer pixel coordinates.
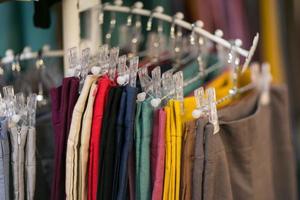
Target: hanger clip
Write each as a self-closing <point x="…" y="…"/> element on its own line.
<point x="133" y="69"/>
<point x="123" y="76"/>
<point x="266" y="79"/>
<point x="178" y="83"/>
<point x="156" y="82"/>
<point x="113" y="61"/>
<point x="206" y="106"/>
<point x="213" y="115"/>
<point x="74" y="66"/>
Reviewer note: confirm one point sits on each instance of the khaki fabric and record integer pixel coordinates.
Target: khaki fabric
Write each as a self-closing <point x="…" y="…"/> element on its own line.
<point x="84" y="143"/>
<point x="72" y="157"/>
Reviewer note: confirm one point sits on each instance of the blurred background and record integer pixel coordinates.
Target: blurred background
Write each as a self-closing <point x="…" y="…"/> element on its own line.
<point x="277" y="21"/>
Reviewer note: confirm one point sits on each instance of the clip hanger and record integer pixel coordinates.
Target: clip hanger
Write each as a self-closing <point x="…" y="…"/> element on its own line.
<point x="123" y="77"/>
<point x="178" y="82"/>
<point x="156" y="82"/>
<point x="266" y="79"/>
<point x="200" y="102"/>
<point x="146" y="84"/>
<point x="206" y="106"/>
<point x="113" y="61"/>
<point x="213" y="115"/>
<point x="133" y="69"/>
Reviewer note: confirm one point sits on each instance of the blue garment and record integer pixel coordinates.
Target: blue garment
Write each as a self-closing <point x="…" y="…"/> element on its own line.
<point x="4" y="160"/>
<point x="131" y="93"/>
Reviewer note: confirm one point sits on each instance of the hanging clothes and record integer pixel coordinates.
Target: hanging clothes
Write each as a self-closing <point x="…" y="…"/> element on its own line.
<point x="30" y="163"/>
<point x="104" y="85"/>
<point x="131" y="94"/>
<point x="18" y="140"/>
<point x="73" y="144"/>
<point x="106" y="174"/>
<point x="4" y="160"/>
<point x="158" y="151"/>
<point x="63" y="100"/>
<point x="84" y="143"/>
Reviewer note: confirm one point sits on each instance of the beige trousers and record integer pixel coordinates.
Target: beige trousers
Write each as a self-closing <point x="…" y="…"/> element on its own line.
<point x="73" y="140"/>
<point x="84" y="143"/>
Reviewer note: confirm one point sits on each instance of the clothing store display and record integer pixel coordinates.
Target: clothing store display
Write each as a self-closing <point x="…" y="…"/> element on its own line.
<point x="179" y="110"/>
<point x="4" y="160"/>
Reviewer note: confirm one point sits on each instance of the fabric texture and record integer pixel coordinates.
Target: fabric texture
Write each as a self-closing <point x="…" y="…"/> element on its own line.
<point x="104" y="85"/>
<point x="168" y="160"/>
<point x="187" y="159"/>
<point x="4" y="160"/>
<point x="143" y="179"/>
<point x="131" y="94"/>
<point x="119" y="143"/>
<point x="107" y="175"/>
<point x="30" y="163"/>
<point x="63" y="100"/>
<point x="245" y="159"/>
<point x="158" y="151"/>
<point x="72" y="157"/>
<point x="198" y="164"/>
<point x="18" y="142"/>
<point x="84" y="144"/>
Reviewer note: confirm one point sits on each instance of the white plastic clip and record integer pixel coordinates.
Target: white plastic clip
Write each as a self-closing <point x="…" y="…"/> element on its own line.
<point x="145" y="80"/>
<point x="213" y="115"/>
<point x="85" y="56"/>
<point x="122" y="70"/>
<point x="200" y="102"/>
<point x="74" y="66"/>
<point x="168" y="84"/>
<point x="113" y="60"/>
<point x="156" y="82"/>
<point x="266" y="79"/>
<point x="178" y="81"/>
<point x="133" y="69"/>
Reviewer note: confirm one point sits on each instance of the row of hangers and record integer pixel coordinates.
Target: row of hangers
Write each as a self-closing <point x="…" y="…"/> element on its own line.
<point x="170" y="84"/>
<point x="18" y="109"/>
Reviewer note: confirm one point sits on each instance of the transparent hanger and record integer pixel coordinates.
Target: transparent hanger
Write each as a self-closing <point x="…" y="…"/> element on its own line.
<point x="8" y="94"/>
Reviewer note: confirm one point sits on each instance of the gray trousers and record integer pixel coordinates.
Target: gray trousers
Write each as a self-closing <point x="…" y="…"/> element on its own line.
<point x="4" y="160"/>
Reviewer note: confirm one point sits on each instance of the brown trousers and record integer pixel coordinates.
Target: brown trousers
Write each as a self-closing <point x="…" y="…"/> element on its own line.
<point x="252" y="156"/>
<point x="187" y="159"/>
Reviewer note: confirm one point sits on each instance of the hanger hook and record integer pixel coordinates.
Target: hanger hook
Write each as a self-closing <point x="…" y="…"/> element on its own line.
<point x="129" y="18"/>
<point x="158" y="9"/>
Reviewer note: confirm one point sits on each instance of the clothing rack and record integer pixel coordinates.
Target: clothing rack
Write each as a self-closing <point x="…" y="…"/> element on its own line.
<point x="27" y="54"/>
<point x="137" y="9"/>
